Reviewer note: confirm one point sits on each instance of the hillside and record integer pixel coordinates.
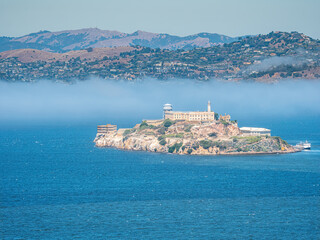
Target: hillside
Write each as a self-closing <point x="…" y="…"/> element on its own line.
<point x="71" y="40"/>
<point x="269" y="57"/>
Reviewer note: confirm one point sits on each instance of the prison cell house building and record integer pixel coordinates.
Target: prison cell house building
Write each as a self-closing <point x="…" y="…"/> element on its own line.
<point x="188" y="116"/>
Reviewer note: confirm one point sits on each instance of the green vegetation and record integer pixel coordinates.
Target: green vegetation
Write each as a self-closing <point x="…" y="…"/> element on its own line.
<point x="279" y="141"/>
<point x="224" y="122"/>
<point x="284" y="142"/>
<point x="162" y="130"/>
<point x="176" y="147"/>
<point x="253" y="139"/>
<point x="195" y="146"/>
<point x="206" y="144"/>
<point x="126" y="132"/>
<point x="90" y="49"/>
<point x="125" y="138"/>
<point x="246" y="149"/>
<point x="220" y="145"/>
<point x="188" y="128"/>
<point x="129" y="131"/>
<point x="178" y="135"/>
<point x="216" y="116"/>
<point x="189" y="151"/>
<point x="150" y="133"/>
<point x="171" y="149"/>
<point x="162" y="142"/>
<point x="167" y="123"/>
<point x="248" y="139"/>
<point x="161" y="138"/>
<point x="143" y="125"/>
<point x="213" y="134"/>
<point x="197" y="63"/>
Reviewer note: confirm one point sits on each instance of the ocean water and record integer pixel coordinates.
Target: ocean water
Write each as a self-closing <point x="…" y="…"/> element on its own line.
<point x="55" y="184"/>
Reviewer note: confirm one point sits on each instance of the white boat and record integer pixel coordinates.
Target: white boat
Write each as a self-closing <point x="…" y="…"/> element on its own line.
<point x="304" y="145"/>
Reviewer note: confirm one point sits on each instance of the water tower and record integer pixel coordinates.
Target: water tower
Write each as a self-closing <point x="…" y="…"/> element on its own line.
<point x="166" y="108"/>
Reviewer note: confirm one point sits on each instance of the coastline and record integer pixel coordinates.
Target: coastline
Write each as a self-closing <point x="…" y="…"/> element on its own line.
<point x="220" y="154"/>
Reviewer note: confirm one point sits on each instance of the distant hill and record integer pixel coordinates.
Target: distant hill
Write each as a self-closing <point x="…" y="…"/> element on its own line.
<point x="69" y="40"/>
<point x="269" y="57"/>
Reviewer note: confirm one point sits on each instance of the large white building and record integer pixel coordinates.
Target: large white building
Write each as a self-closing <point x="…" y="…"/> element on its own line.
<point x="253" y="131"/>
<point x="188" y="116"/>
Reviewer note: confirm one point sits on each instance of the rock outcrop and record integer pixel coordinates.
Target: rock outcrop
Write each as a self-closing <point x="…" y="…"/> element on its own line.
<point x="193" y="138"/>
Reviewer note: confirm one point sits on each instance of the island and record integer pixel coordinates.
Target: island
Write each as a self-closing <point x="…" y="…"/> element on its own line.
<point x="193" y="133"/>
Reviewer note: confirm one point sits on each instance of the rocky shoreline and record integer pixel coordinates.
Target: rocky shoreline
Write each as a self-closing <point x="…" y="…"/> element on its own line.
<point x="192" y="138"/>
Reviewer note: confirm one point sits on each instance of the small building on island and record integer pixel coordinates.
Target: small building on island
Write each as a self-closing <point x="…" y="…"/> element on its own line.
<point x="254" y="131"/>
<point x="106" y="129"/>
<point x="206" y="116"/>
<point x="226" y="117"/>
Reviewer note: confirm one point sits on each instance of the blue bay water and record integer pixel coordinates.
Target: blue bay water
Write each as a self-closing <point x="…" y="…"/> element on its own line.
<point x="55" y="184"/>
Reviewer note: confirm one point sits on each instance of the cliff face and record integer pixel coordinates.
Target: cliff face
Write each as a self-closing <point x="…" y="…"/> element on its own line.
<point x="192" y="138"/>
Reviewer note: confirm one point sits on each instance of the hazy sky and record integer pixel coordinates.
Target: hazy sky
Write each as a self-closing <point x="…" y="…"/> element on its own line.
<point x="179" y="17"/>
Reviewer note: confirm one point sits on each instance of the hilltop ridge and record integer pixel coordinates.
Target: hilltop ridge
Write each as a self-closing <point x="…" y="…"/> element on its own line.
<point x="270" y="57"/>
<point x="70" y="40"/>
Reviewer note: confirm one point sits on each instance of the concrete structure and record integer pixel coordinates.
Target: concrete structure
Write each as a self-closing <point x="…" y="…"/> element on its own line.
<point x="155" y="122"/>
<point x="107" y="129"/>
<point x="190" y="116"/>
<point x="253" y="131"/>
<point x="225" y="117"/>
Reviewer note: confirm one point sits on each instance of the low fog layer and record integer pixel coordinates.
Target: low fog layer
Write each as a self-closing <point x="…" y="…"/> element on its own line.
<point x="102" y="101"/>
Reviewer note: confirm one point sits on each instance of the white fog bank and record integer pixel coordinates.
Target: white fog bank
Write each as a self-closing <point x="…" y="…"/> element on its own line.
<point x="103" y="101"/>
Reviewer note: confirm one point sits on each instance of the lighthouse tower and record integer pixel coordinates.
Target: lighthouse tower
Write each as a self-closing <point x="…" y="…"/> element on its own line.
<point x="166" y="108"/>
<point x="209" y="106"/>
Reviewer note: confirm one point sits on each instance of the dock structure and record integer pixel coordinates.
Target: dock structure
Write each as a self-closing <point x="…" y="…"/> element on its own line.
<point x="254" y="131"/>
<point x="106" y="129"/>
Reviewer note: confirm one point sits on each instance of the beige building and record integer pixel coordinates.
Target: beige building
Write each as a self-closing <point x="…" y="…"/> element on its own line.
<point x="107" y="129"/>
<point x="225" y="117"/>
<point x="189" y="116"/>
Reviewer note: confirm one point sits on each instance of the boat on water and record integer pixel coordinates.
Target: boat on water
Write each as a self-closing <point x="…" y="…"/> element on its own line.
<point x="304" y="145"/>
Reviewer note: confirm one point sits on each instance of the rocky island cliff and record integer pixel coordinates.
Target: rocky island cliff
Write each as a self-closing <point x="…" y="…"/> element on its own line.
<point x="192" y="137"/>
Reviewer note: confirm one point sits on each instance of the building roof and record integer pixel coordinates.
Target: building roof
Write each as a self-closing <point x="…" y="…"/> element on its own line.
<point x="191" y="112"/>
<point x="255" y="129"/>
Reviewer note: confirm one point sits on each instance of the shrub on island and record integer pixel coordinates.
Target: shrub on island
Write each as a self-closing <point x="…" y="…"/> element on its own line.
<point x="167" y="123"/>
<point x="175" y="147"/>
